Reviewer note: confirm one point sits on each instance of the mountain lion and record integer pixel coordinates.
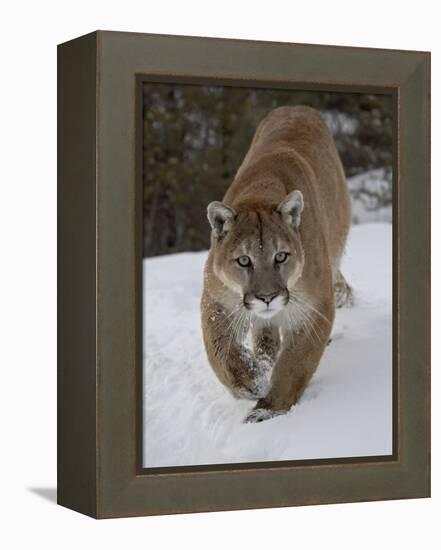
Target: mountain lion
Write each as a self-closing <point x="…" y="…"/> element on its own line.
<point x="273" y="271"/>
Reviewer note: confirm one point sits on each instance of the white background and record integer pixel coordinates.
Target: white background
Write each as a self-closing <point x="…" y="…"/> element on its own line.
<point x="29" y="34"/>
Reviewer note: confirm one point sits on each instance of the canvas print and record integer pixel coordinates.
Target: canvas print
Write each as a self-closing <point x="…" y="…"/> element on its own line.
<point x="267" y="274"/>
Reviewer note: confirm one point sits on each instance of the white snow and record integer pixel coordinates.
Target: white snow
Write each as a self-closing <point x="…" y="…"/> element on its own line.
<point x="346" y="411"/>
<point x="340" y="123"/>
<point x="364" y="211"/>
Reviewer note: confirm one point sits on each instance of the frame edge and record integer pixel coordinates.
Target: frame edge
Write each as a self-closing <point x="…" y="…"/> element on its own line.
<point x="76" y="370"/>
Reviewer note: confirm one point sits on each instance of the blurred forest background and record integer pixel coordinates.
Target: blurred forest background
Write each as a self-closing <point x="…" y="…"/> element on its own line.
<point x="195" y="137"/>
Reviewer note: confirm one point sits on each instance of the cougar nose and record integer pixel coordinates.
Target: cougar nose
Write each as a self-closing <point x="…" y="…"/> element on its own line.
<point x="267" y="298"/>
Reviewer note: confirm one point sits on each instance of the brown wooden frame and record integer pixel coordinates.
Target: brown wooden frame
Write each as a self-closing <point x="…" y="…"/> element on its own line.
<point x="100" y="338"/>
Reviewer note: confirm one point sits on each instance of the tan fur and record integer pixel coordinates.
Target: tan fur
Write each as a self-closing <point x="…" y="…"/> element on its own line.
<point x="261" y="215"/>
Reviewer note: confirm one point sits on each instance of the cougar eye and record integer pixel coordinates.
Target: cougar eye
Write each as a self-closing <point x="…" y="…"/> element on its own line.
<point x="281" y="257"/>
<point x="244" y="261"/>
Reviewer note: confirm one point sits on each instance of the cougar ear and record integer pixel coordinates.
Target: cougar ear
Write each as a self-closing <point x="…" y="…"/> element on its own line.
<point x="220" y="217"/>
<point x="291" y="208"/>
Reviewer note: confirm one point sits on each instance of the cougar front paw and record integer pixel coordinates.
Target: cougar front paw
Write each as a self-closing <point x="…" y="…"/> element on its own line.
<point x="259" y="415"/>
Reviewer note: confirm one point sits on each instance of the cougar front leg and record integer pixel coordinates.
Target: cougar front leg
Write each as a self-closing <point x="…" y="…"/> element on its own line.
<point x="297" y="362"/>
<point x="266" y="340"/>
<point x="234" y="365"/>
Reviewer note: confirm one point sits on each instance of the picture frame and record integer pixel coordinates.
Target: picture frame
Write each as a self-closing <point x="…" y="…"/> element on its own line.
<point x="100" y="470"/>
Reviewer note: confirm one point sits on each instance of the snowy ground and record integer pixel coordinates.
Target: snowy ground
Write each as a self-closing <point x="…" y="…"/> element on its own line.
<point x="190" y="418"/>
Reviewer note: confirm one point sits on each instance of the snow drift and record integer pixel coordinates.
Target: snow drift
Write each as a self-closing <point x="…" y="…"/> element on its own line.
<point x="346" y="411"/>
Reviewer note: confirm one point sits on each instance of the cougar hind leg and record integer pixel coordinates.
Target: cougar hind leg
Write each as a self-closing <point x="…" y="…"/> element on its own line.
<point x="343" y="293"/>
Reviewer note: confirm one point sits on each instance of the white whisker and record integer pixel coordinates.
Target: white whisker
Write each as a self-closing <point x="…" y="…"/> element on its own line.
<point x="303" y="313"/>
